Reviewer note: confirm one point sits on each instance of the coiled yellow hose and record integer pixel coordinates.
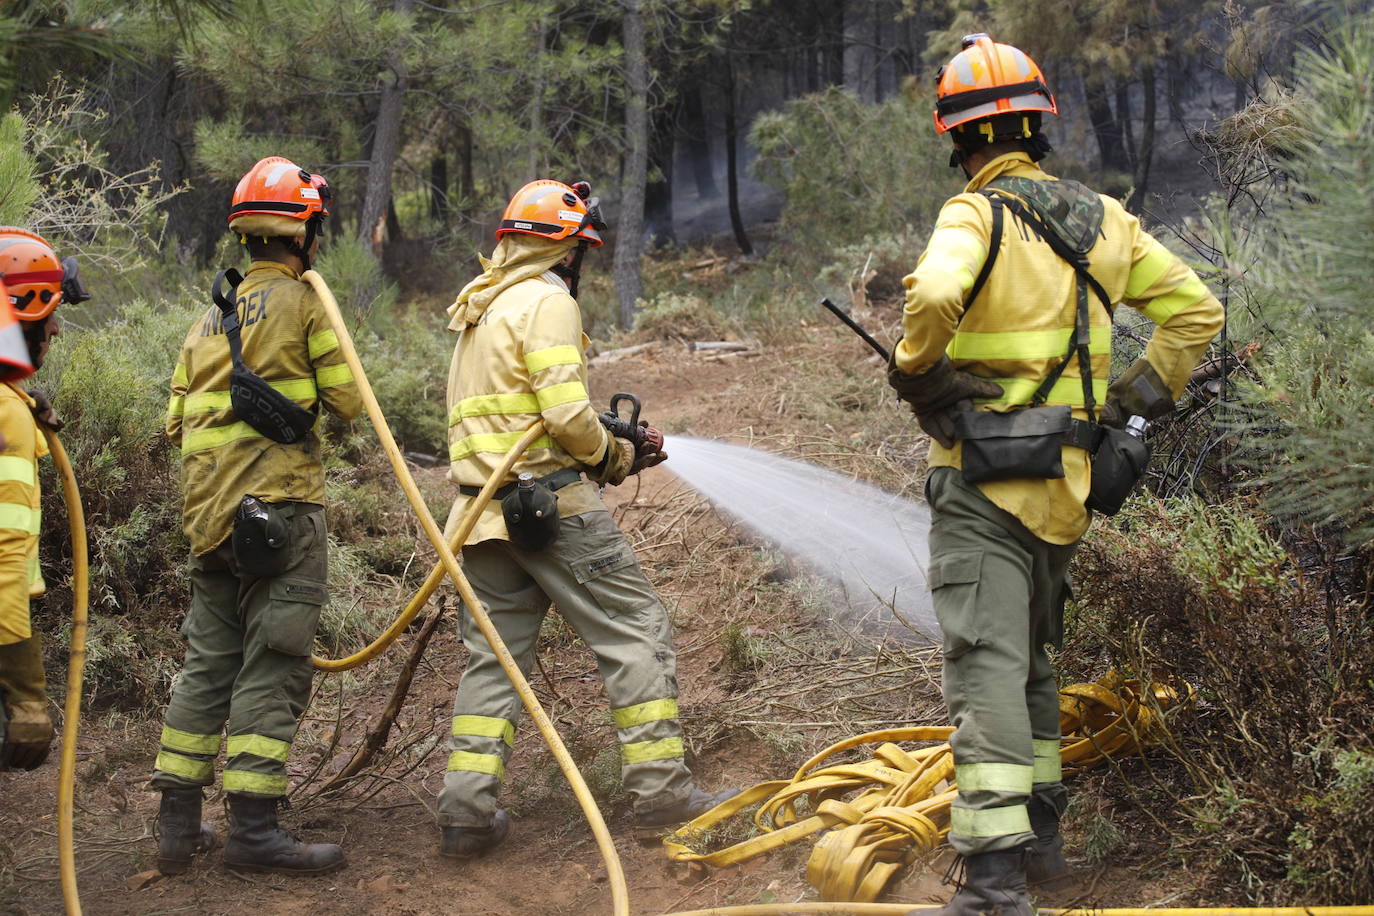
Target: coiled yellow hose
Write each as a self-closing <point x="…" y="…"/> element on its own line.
<point x="76" y="667"/>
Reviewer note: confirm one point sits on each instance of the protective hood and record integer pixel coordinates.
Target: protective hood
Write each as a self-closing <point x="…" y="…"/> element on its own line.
<point x="516" y="257"/>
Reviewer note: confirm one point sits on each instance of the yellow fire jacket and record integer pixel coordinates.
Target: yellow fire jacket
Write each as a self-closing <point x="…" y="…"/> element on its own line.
<point x="1017" y="329"/>
<point x="20" y="577"/>
<point x="523" y="359"/>
<point x="288" y="341"/>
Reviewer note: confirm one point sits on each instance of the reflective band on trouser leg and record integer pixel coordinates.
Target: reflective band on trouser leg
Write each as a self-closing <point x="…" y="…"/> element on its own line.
<point x="642" y="713"/>
<point x="484" y="727"/>
<point x="257" y="783"/>
<point x="468" y="762"/>
<point x="1011" y="778"/>
<point x="174" y="739"/>
<point x="988" y="822"/>
<point x="259" y="746"/>
<point x="1048" y="764"/>
<point x="646" y="751"/>
<point x="194" y="769"/>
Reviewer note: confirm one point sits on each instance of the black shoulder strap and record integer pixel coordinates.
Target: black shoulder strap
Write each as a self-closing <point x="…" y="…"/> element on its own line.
<point x="1082" y="337"/>
<point x="994" y="246"/>
<point x="228" y="306"/>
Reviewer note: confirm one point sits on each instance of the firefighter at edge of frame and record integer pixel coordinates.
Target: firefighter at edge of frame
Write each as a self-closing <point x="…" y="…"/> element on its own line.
<point x="35" y="283"/>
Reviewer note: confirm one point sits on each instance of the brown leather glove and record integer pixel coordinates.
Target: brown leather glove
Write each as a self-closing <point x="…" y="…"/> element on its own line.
<point x="616" y="466"/>
<point x="932" y="393"/>
<point x="28" y="730"/>
<point x="651" y="451"/>
<point x="1140" y="392"/>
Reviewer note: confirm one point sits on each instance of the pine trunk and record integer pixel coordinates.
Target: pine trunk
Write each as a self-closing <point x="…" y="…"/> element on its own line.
<point x="386" y="144"/>
<point x="1147" y="140"/>
<point x="629" y="285"/>
<point x="732" y="163"/>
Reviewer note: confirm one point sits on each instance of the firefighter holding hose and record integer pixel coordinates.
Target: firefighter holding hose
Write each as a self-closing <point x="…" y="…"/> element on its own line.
<point x="35" y="283"/>
<point x="1004" y="358"/>
<point x="253" y="373"/>
<point x="547" y="537"/>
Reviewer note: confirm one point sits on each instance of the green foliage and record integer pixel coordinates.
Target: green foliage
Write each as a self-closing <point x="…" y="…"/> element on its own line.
<point x="681" y="317"/>
<point x="850" y="168"/>
<point x="407" y="365"/>
<point x="1309" y="417"/>
<point x="1277" y="743"/>
<point x="357" y="281"/>
<point x="18" y="185"/>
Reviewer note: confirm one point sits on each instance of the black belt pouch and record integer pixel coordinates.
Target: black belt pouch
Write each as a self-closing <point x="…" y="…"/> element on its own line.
<point x="1118" y="464"/>
<point x="261" y="538"/>
<point x="1019" y="444"/>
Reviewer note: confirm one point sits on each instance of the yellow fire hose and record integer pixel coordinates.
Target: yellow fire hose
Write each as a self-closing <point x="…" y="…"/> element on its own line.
<point x="436" y="575"/>
<point x="76" y="665"/>
<point x="614" y="872"/>
<point x="1116" y="730"/>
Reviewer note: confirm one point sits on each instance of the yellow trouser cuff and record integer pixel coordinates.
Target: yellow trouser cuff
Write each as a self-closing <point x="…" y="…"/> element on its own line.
<point x="257" y="783"/>
<point x="259" y="746"/>
<point x="993" y="777"/>
<point x="468" y="762"/>
<point x="485" y="727"/>
<point x="1049" y="766"/>
<point x="647" y="751"/>
<point x="174" y="739"/>
<point x="643" y="713"/>
<point x="989" y="822"/>
<point x="192" y="768"/>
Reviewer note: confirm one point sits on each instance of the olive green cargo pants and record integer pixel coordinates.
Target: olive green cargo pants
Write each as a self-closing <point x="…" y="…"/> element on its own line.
<point x="999" y="595"/>
<point x="248" y="643"/>
<point x="591" y="574"/>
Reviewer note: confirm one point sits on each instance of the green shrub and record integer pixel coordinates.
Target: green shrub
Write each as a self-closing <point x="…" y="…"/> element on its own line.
<point x="1277" y="747"/>
<point x="850" y="168"/>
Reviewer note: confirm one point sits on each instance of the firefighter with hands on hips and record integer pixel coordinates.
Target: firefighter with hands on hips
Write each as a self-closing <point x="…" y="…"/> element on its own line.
<point x="35" y="283"/>
<point x="252" y="374"/>
<point x="520" y="358"/>
<point x="1004" y="358"/>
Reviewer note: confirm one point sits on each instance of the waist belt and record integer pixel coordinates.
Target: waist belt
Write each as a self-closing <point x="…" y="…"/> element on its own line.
<point x="555" y="481"/>
<point x="1028" y="422"/>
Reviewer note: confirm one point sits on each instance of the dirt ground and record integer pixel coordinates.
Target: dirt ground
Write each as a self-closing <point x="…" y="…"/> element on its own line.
<point x="549" y="865"/>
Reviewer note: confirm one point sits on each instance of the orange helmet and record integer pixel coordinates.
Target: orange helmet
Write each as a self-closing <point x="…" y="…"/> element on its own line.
<point x="36" y="280"/>
<point x="987" y="79"/>
<point x="553" y="210"/>
<point x="276" y="197"/>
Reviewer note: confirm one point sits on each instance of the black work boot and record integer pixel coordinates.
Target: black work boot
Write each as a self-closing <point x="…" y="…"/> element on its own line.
<point x="474" y="842"/>
<point x="180" y="834"/>
<point x="1045" y="860"/>
<point x="690" y="808"/>
<point x="257" y="843"/>
<point x="994" y="885"/>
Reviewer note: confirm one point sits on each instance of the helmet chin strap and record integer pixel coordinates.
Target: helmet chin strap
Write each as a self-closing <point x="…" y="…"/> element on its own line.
<point x="572" y="272"/>
<point x="302" y="249"/>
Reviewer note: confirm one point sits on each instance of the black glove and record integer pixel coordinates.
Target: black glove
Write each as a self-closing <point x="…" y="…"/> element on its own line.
<point x="932" y="393"/>
<point x="1140" y="392"/>
<point x="44" y="413"/>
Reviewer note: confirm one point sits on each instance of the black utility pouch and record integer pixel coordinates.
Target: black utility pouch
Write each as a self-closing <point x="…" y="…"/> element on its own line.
<point x="261" y="538"/>
<point x="1004" y="446"/>
<point x="531" y="514"/>
<point x="254" y="400"/>
<point x="1118" y="463"/>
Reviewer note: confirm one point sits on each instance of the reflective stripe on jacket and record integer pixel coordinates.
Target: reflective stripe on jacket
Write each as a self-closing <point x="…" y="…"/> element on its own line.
<point x="1017" y="329"/>
<point x="522" y="361"/>
<point x="287" y="339"/>
<point x="20" y="513"/>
